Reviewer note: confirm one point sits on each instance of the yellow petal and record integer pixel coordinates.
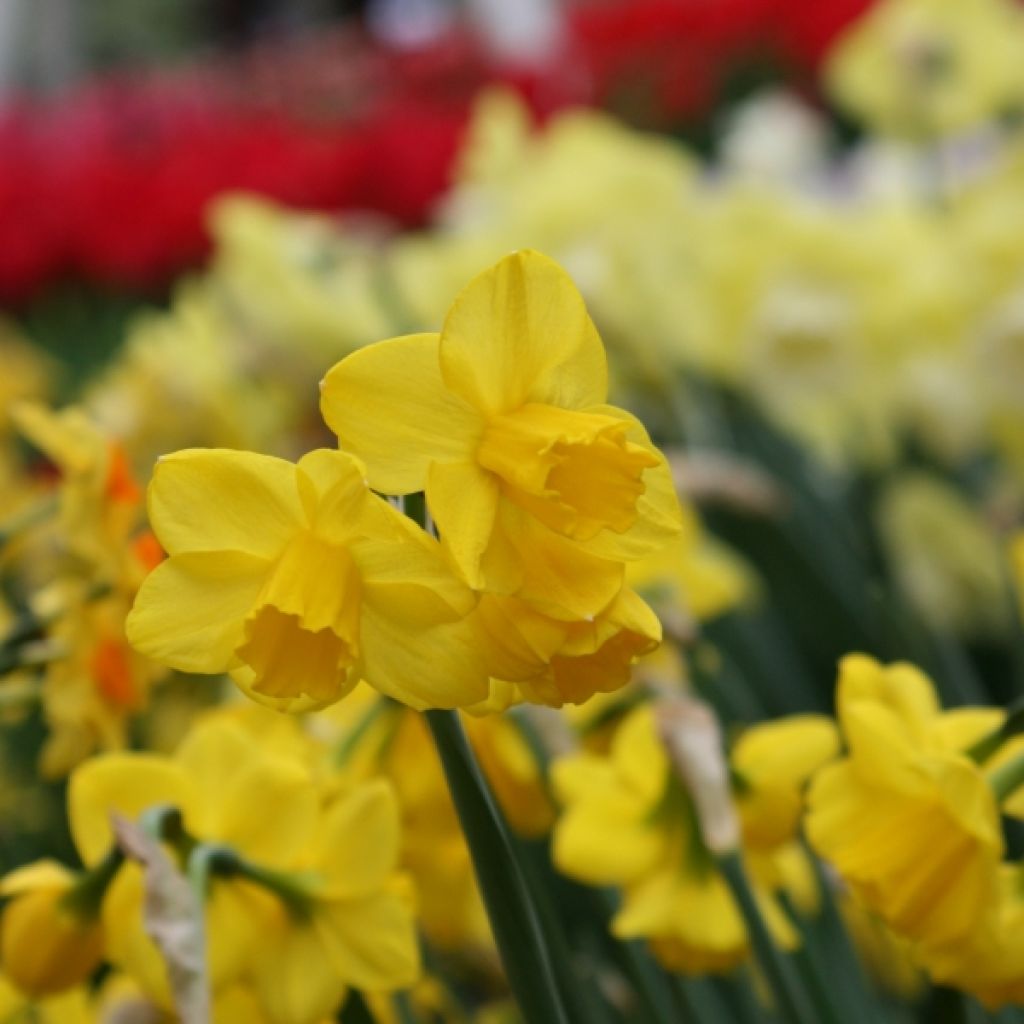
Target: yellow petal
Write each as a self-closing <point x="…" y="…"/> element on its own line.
<point x="212" y="753"/>
<point x="576" y="775"/>
<point x="190" y="610"/>
<point x="787" y="751"/>
<point x="556" y="575"/>
<point x="901" y="688"/>
<point x="126" y="784"/>
<point x="463" y="499"/>
<point x="404" y="562"/>
<point x="40" y="874"/>
<point x="335" y="493"/>
<point x="221" y="500"/>
<point x="127" y="944"/>
<point x="270" y="811"/>
<point x="228" y="769"/>
<point x="359" y="841"/>
<point x="520" y="333"/>
<point x="371" y="942"/>
<point x="639" y="755"/>
<point x="389" y="406"/>
<point x="603" y="840"/>
<point x="438" y="667"/>
<point x="235" y="913"/>
<point x="293" y="975"/>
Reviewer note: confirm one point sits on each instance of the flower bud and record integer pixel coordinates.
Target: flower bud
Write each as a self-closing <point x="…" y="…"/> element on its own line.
<point x="46" y="943"/>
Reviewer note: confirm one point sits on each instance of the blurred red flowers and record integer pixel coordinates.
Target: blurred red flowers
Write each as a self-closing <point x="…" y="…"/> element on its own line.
<point x="110" y="184"/>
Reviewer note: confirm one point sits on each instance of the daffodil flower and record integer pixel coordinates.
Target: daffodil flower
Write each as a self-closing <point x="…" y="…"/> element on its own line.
<point x="538" y="488"/>
<point x="354" y="925"/>
<point x="907" y="818"/>
<point x="298" y="581"/>
<point x="629" y="822"/>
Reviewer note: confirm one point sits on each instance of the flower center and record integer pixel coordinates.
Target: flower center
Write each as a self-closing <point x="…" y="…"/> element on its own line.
<point x="574" y="471"/>
<point x="111" y="670"/>
<point x="302" y="638"/>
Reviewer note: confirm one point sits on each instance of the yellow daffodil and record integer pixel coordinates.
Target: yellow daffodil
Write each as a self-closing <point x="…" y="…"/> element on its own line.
<point x="351" y="923"/>
<point x="211" y="781"/>
<point x="92" y="693"/>
<point x="629" y="822"/>
<point x="532" y="480"/>
<point x="49" y="940"/>
<point x="299" y="581"/>
<point x="100" y="501"/>
<point x="944" y="556"/>
<point x="907" y="818"/>
<point x="923" y="68"/>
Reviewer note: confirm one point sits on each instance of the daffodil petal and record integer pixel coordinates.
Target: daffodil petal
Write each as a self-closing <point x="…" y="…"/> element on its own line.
<point x="403" y="559"/>
<point x="189" y="611"/>
<point x="216" y="499"/>
<point x="437" y="667"/>
<point x="520" y="333"/>
<point x="40" y="874"/>
<point x="371" y="942"/>
<point x="220" y="756"/>
<point x="287" y="811"/>
<point x="360" y="840"/>
<point x="124" y="783"/>
<point x="600" y="840"/>
<point x="463" y="499"/>
<point x="335" y="492"/>
<point x="389" y="406"/>
<point x="293" y="975"/>
<point x="557" y="576"/>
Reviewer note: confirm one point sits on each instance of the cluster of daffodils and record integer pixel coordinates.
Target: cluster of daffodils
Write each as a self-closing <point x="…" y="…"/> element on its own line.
<point x="302" y="898"/>
<point x="300" y="579"/>
<point x="82" y="548"/>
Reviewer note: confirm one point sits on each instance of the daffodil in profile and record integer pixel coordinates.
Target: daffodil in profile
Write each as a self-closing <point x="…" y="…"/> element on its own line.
<point x="532" y="480"/>
<point x="908" y="819"/>
<point x="298" y="581"/>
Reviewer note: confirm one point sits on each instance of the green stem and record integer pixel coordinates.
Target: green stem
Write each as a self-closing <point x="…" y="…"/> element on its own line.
<point x="31" y="516"/>
<point x="19" y="694"/>
<point x="1007" y="778"/>
<point x="354" y="737"/>
<point x="514" y="920"/>
<point x="1012" y="725"/>
<point x="86" y="896"/>
<point x="403" y="1008"/>
<point x="790" y="996"/>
